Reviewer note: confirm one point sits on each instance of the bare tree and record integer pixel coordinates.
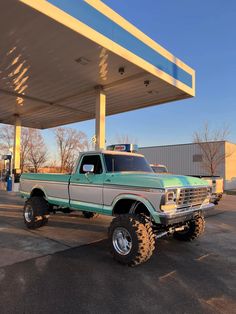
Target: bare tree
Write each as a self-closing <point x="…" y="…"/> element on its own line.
<point x="69" y="143"/>
<point x="37" y="150"/>
<point x="28" y="137"/>
<point x="125" y="139"/>
<point x="6" y="138"/>
<point x="210" y="143"/>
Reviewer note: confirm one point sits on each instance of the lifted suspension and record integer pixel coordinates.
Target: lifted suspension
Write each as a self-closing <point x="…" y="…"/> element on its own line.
<point x="170" y="231"/>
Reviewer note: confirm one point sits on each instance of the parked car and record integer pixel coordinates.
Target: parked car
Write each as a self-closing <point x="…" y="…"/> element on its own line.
<point x="217" y="185"/>
<point x="145" y="206"/>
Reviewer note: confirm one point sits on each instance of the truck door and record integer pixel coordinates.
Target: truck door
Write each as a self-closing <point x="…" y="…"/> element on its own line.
<point x="86" y="189"/>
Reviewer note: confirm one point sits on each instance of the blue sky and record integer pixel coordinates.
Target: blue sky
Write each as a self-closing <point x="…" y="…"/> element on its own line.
<point x="202" y="34"/>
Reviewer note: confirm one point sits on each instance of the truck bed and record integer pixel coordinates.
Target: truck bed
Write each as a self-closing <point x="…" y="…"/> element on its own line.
<point x="56" y="186"/>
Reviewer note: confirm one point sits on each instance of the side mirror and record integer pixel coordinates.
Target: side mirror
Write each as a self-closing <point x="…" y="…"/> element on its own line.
<point x="88" y="168"/>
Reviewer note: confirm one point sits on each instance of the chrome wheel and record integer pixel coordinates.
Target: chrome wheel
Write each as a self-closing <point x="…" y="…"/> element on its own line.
<point x="28" y="213"/>
<point x="122" y="241"/>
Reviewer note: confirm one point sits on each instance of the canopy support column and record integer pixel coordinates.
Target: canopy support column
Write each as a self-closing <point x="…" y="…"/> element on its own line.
<point x="100" y="118"/>
<point x="16" y="148"/>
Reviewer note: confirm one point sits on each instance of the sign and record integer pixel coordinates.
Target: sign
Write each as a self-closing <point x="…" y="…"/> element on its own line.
<point x="131" y="148"/>
<point x="94" y="140"/>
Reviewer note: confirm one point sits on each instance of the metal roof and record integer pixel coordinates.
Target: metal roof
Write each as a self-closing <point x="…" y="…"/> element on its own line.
<point x="54" y="54"/>
<point x="185" y="144"/>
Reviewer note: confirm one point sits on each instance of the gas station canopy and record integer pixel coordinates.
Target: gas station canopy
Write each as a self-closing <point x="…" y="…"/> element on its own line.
<point x="55" y="55"/>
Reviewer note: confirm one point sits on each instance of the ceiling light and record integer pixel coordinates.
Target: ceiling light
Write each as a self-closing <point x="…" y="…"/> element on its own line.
<point x="121" y="70"/>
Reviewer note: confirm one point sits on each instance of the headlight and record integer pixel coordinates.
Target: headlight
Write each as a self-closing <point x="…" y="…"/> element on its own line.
<point x="171" y="196"/>
<point x="169" y="200"/>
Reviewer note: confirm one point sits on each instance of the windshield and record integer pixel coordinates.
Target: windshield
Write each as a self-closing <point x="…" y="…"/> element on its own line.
<point x="159" y="169"/>
<point x="117" y="163"/>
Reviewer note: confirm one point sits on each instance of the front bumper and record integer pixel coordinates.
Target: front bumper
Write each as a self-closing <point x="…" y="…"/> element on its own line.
<point x="183" y="215"/>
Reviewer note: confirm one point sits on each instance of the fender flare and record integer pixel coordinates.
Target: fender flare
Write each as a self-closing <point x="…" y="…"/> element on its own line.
<point x="135" y="197"/>
<point x="39" y="187"/>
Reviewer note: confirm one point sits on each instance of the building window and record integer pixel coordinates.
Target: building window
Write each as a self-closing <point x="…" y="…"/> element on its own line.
<point x="197" y="158"/>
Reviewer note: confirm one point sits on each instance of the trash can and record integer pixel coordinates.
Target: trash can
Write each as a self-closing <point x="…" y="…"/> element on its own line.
<point x="9" y="184"/>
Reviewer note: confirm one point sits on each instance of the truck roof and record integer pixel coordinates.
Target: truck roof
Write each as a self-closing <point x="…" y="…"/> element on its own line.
<point x="111" y="152"/>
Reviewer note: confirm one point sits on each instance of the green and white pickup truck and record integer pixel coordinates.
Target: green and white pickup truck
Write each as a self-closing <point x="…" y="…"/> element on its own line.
<point x="145" y="205"/>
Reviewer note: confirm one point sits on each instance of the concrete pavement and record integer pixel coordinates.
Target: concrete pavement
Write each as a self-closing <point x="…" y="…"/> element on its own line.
<point x="18" y="243"/>
<point x="197" y="277"/>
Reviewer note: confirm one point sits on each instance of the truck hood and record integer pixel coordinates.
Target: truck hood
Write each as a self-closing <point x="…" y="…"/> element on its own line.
<point x="154" y="180"/>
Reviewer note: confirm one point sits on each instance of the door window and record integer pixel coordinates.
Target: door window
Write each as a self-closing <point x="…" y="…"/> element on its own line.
<point x="94" y="160"/>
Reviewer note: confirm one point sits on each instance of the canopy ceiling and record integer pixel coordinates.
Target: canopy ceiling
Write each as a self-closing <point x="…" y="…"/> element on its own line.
<point x="55" y="54"/>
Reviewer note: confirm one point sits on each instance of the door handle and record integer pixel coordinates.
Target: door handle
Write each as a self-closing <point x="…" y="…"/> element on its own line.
<point x="77" y="179"/>
<point x="107" y="180"/>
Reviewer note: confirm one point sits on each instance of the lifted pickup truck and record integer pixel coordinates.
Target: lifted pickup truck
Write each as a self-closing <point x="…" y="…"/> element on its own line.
<point x="123" y="185"/>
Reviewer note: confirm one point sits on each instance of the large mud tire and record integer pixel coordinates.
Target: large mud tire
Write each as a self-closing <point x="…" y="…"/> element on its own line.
<point x="152" y="239"/>
<point x="36" y="212"/>
<point x="194" y="229"/>
<point x="131" y="239"/>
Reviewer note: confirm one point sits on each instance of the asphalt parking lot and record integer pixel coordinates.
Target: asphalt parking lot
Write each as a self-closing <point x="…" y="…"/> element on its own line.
<point x="65" y="267"/>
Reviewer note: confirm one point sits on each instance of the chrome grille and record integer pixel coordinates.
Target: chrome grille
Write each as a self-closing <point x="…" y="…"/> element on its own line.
<point x="191" y="196"/>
